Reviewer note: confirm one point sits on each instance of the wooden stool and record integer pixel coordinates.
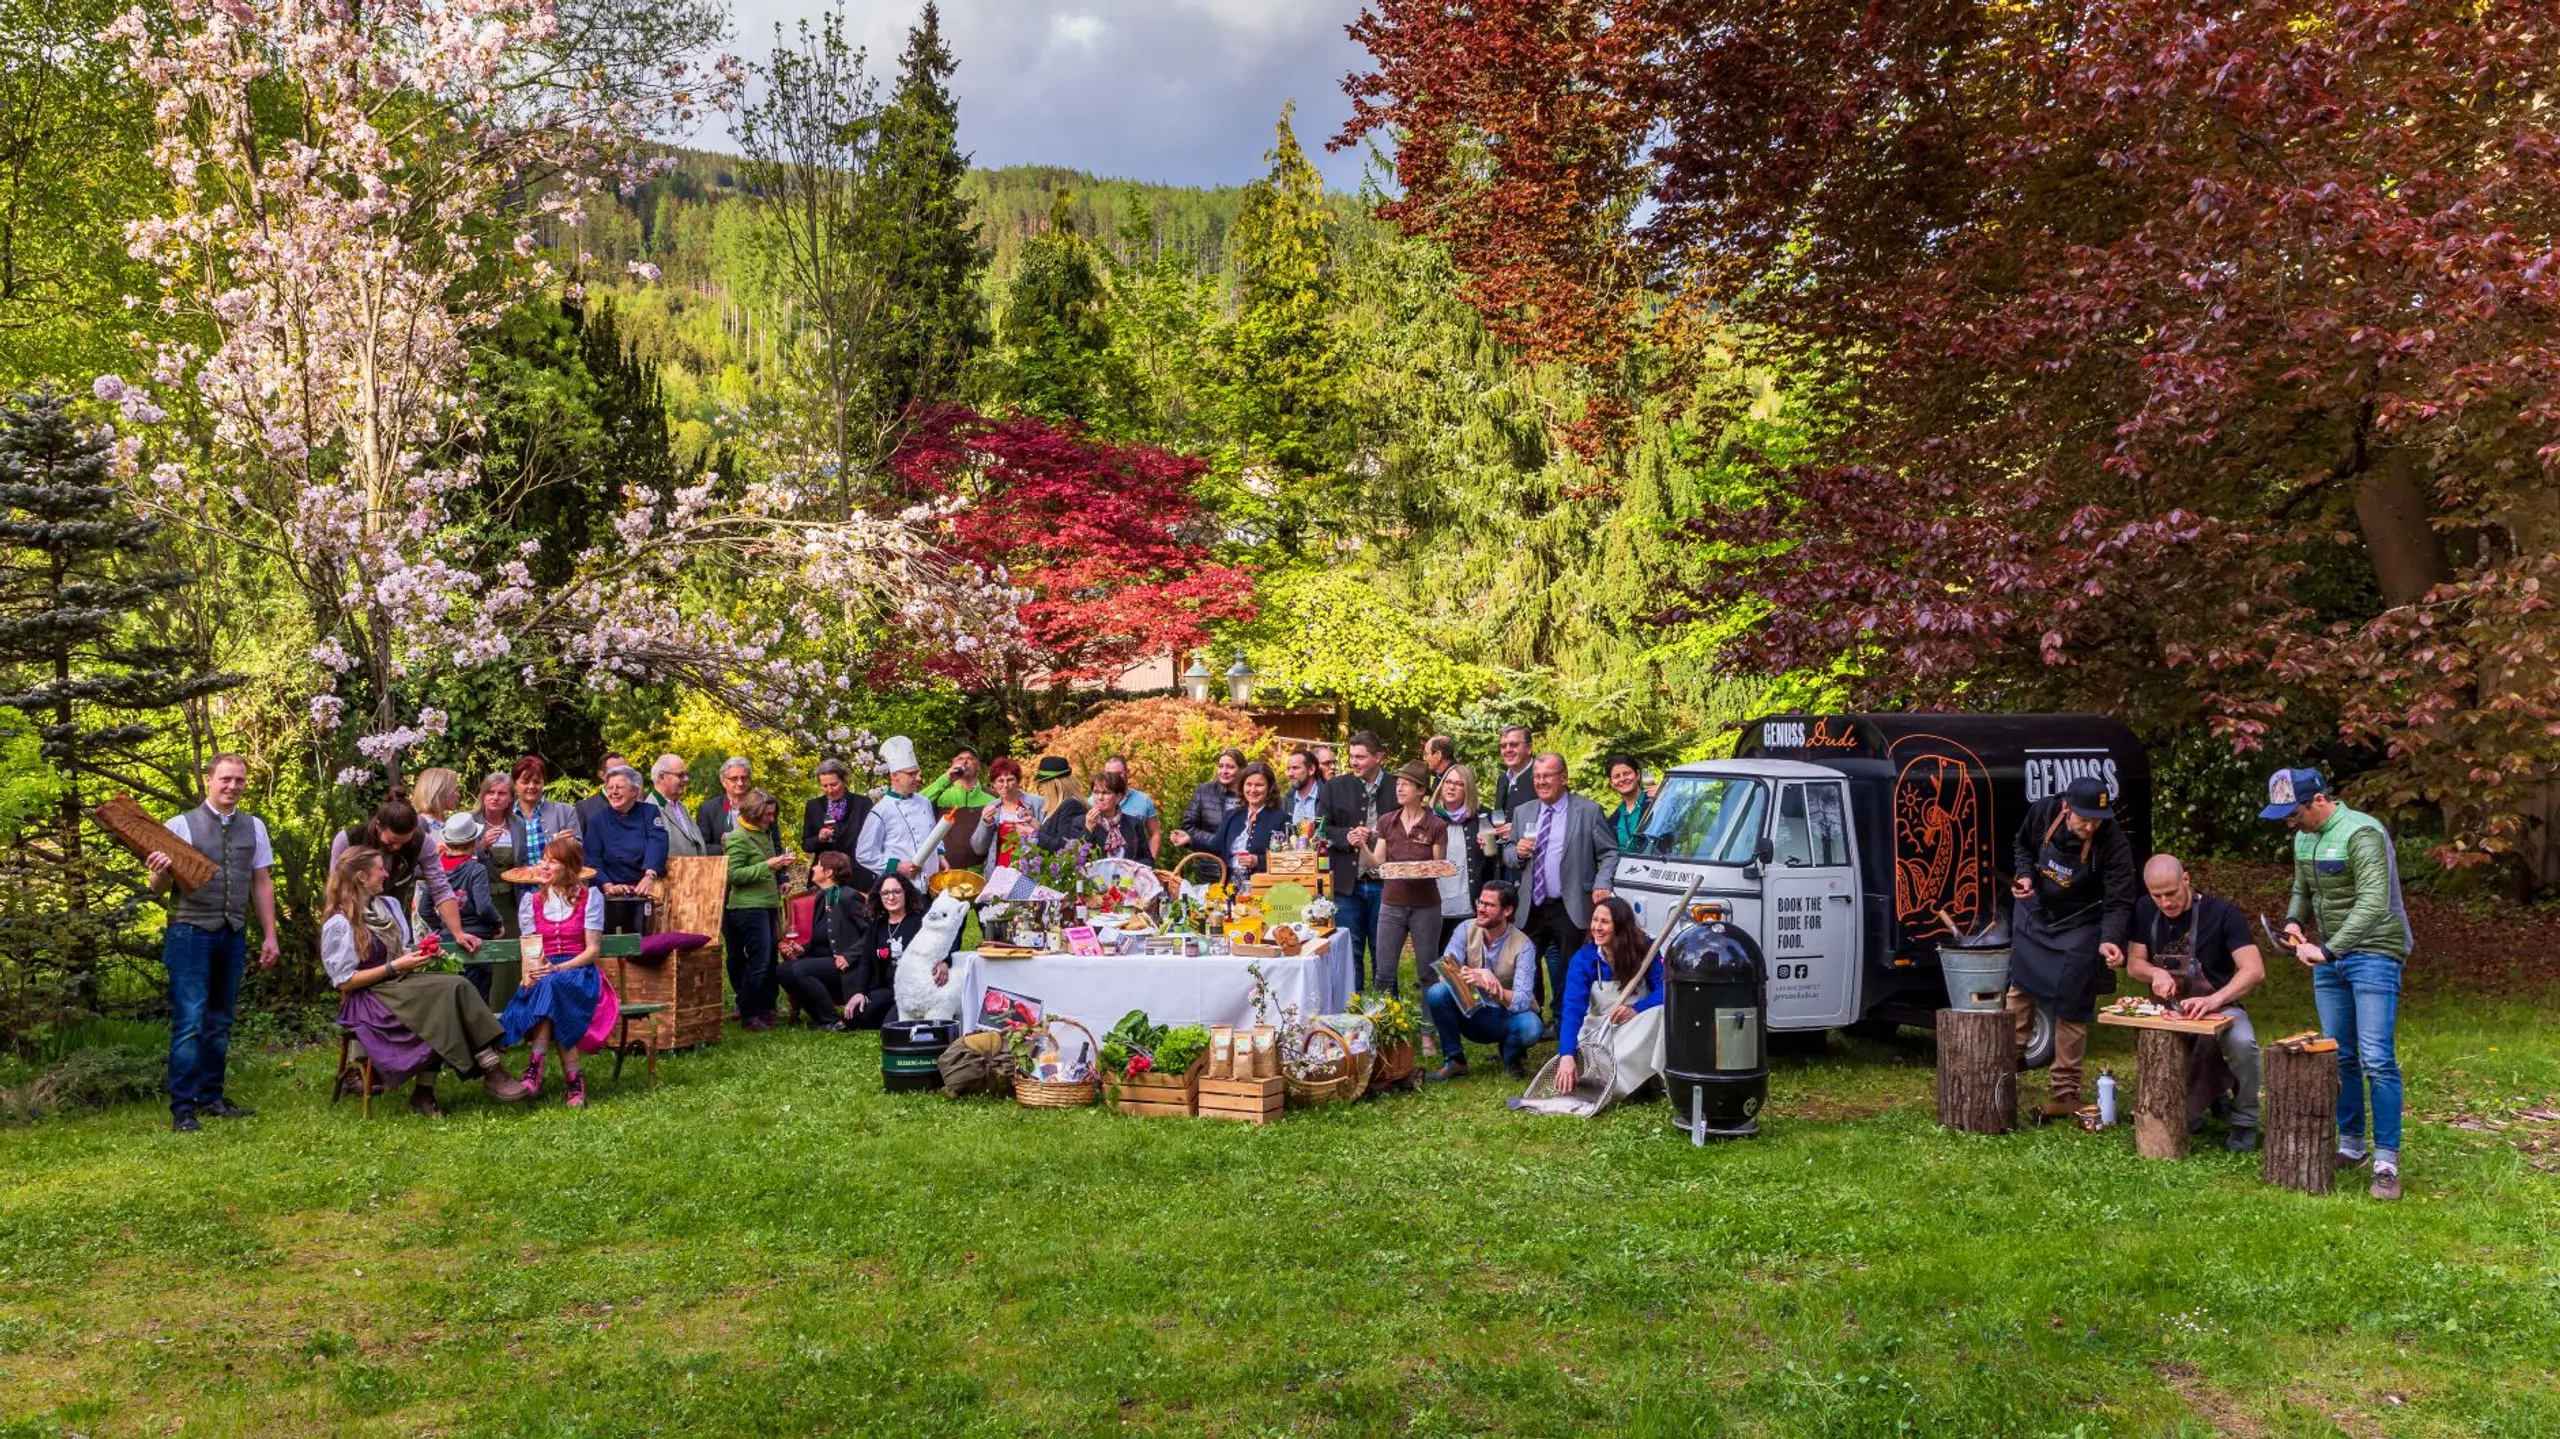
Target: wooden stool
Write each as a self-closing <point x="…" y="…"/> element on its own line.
<point x="354" y="1058"/>
<point x="2298" y="1115"/>
<point x="2160" y="1077"/>
<point x="1977" y="1071"/>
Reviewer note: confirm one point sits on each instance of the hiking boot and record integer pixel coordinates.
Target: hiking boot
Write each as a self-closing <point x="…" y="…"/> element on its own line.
<point x="495" y="1080"/>
<point x="577" y="1091"/>
<point x="2243" y="1140"/>
<point x="2386" y="1184"/>
<point x="422" y="1102"/>
<point x="223" y="1108"/>
<point x="1454" y="1069"/>
<point x="184" y="1122"/>
<point x="2060" y="1106"/>
<point x="533" y="1077"/>
<point x="2342" y="1161"/>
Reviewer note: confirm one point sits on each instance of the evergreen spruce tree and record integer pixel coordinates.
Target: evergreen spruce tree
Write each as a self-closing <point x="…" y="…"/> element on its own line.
<point x="76" y="576"/>
<point x="927" y="234"/>
<point x="1055" y="329"/>
<point x="1282" y="363"/>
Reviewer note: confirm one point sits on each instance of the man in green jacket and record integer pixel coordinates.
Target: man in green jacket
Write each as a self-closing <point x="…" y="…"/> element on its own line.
<point x="2346" y="883"/>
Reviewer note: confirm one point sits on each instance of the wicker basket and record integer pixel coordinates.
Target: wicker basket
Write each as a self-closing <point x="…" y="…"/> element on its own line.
<point x="1187" y="869"/>
<point x="1033" y="1093"/>
<point x="1349" y="1080"/>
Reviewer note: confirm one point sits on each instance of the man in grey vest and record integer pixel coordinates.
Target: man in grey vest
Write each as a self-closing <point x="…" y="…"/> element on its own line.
<point x="667" y="779"/>
<point x="205" y="947"/>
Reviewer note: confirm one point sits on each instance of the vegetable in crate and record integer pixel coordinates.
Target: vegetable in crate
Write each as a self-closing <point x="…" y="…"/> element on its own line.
<point x="1175" y="1051"/>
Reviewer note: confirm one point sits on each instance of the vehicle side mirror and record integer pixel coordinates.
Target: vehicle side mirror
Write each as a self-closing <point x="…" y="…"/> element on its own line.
<point x="1761" y="854"/>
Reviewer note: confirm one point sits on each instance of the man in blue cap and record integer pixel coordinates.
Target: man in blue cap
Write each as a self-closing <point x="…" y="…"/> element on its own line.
<point x="2346" y="883"/>
<point x="2075" y="888"/>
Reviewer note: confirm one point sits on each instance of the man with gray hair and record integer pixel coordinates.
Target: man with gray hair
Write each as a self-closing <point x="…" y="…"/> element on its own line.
<point x="2194" y="951"/>
<point x="667" y="780"/>
<point x="717" y="813"/>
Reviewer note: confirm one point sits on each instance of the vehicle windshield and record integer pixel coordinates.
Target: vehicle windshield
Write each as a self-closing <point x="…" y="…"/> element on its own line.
<point x="1715" y="819"/>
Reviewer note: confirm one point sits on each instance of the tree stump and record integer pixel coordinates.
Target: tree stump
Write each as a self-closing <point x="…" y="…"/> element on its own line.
<point x="1977" y="1070"/>
<point x="2160" y="1094"/>
<point x="2298" y="1118"/>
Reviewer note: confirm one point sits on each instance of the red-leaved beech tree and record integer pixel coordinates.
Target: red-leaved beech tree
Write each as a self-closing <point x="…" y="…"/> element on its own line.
<point x="2193" y="361"/>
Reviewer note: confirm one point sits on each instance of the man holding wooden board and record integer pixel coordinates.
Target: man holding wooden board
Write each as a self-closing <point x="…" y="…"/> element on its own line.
<point x="2194" y="951"/>
<point x="205" y="947"/>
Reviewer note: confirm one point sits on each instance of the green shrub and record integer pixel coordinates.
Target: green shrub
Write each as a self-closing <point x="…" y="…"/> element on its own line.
<point x="96" y="1077"/>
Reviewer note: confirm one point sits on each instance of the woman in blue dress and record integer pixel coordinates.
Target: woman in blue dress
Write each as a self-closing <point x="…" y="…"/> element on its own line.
<point x="558" y="999"/>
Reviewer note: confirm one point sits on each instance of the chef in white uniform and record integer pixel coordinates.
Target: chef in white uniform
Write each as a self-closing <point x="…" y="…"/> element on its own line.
<point x="903" y="831"/>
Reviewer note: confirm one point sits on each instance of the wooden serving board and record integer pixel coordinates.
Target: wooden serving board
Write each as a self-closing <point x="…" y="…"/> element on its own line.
<point x="1418" y="869"/>
<point x="2169" y="1022"/>
<point x="142" y="834"/>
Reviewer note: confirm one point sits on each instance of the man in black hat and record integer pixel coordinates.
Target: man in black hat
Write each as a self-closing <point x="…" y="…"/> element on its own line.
<point x="2075" y="889"/>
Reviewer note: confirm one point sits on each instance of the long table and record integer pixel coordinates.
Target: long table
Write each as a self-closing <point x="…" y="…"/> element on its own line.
<point x="1095" y="990"/>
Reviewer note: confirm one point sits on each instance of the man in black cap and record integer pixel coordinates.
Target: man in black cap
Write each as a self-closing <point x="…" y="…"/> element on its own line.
<point x="2075" y="888"/>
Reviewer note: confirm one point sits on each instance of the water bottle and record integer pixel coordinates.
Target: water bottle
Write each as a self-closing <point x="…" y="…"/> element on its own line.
<point x="2106" y="1098"/>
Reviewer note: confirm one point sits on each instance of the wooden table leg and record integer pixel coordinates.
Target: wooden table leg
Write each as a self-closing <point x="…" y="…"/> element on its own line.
<point x="1977" y="1071"/>
<point x="2298" y="1118"/>
<point x="2160" y="1094"/>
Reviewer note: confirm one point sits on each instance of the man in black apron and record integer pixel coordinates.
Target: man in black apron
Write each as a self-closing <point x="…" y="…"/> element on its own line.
<point x="2075" y="890"/>
<point x="2194" y="950"/>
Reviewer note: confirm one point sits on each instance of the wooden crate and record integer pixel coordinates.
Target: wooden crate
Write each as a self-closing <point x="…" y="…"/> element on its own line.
<point x="1174" y="1096"/>
<point x="689" y="983"/>
<point x="1254" y="1101"/>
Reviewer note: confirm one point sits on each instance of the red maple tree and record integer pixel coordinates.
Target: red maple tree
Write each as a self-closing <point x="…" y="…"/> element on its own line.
<point x="1108" y="543"/>
<point x="2193" y="360"/>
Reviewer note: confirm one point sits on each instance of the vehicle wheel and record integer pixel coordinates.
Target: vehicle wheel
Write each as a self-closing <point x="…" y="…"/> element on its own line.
<point x="2040" y="1041"/>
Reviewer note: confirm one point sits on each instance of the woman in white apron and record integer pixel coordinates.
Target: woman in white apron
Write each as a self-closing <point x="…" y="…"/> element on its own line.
<point x="1606" y="1005"/>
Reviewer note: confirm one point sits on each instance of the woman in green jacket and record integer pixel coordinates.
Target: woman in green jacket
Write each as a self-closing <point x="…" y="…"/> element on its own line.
<point x="749" y="925"/>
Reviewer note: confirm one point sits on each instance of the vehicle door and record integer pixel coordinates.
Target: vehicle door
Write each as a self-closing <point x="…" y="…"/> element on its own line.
<point x="1809" y="929"/>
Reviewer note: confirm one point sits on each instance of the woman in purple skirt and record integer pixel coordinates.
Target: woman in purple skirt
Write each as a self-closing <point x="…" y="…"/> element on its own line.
<point x="562" y="990"/>
<point x="410" y="1021"/>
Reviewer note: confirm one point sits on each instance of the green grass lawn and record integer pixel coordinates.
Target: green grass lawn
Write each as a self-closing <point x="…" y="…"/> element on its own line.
<point x="767" y="1243"/>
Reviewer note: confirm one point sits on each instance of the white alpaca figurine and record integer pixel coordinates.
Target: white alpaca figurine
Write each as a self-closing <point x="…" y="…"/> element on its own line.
<point x="918" y="996"/>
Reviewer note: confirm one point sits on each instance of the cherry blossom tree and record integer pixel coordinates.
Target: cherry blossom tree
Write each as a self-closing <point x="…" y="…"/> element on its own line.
<point x="360" y="192"/>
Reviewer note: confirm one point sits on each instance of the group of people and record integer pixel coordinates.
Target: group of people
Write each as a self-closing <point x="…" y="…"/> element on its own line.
<point x="2083" y="913"/>
<point x="1526" y="919"/>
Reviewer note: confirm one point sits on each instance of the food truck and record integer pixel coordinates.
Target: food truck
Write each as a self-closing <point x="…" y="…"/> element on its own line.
<point x="1847" y="844"/>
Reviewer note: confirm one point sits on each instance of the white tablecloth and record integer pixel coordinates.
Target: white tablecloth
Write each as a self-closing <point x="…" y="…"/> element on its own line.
<point x="1096" y="990"/>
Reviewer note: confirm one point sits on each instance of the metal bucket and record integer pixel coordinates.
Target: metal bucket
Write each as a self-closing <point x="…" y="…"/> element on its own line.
<point x="1976" y="978"/>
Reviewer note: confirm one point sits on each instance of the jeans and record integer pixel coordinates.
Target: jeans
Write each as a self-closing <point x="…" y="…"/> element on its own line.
<point x="1395" y="922"/>
<point x="1556" y="940"/>
<point x="2358" y="994"/>
<point x="205" y="967"/>
<point x="1486" y="1024"/>
<point x="2238" y="1052"/>
<point x="1357" y="911"/>
<point x="747" y="935"/>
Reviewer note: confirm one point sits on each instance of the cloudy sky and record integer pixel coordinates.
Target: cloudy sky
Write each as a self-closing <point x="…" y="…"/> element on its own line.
<point x="1184" y="91"/>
